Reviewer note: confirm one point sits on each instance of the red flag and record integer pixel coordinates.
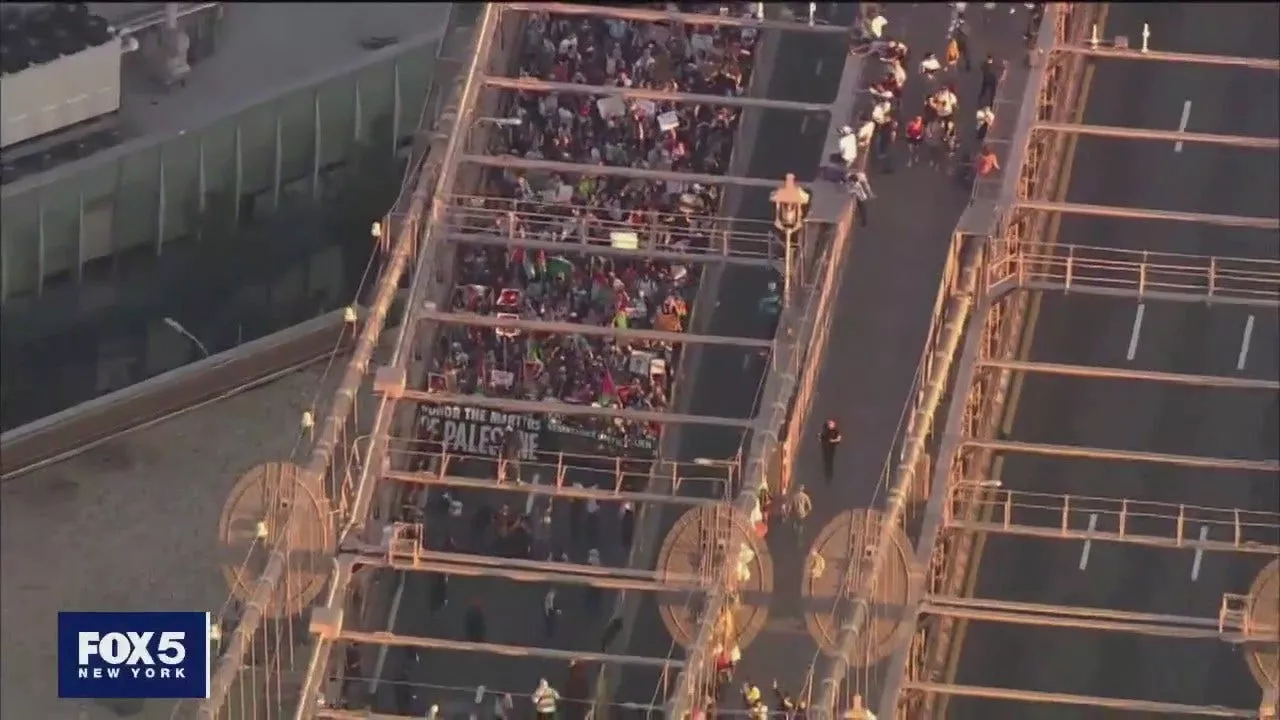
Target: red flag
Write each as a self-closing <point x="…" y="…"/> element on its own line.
<point x="608" y="391"/>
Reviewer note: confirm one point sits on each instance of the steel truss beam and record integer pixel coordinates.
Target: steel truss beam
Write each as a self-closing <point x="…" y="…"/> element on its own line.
<point x="1150" y="707"/>
<point x="1087" y="618"/>
<point x="1074" y="451"/>
<point x="408" y="641"/>
<point x="1234" y="221"/>
<point x="1061" y="517"/>
<point x="566" y="328"/>
<point x="557" y="407"/>
<point x="527" y="84"/>
<point x="559" y="490"/>
<point x="556" y="166"/>
<point x="605" y="249"/>
<point x="1007" y="527"/>
<point x="654" y="16"/>
<point x="408" y="556"/>
<point x="326" y="713"/>
<point x="1128" y="133"/>
<point x="1116" y="53"/>
<point x="1110" y="373"/>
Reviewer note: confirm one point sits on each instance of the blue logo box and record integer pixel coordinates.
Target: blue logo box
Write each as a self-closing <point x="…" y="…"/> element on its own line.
<point x="133" y="654"/>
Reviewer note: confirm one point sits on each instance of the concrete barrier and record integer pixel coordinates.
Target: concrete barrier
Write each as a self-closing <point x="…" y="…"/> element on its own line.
<point x="75" y="430"/>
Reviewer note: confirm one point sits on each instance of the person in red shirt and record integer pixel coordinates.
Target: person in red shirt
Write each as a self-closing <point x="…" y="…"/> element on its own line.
<point x="914" y="135"/>
<point x="987" y="162"/>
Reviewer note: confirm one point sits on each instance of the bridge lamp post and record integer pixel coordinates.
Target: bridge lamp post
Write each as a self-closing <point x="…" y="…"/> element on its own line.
<point x="789" y="202"/>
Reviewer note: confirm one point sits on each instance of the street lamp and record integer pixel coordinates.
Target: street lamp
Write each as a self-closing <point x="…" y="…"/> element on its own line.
<point x="178" y="328"/>
<point x="789" y="202"/>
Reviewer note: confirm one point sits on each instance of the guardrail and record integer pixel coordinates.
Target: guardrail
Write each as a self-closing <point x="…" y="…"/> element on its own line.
<point x="712" y="236"/>
<point x="75" y="430"/>
<point x="1138" y="522"/>
<point x="1082" y="268"/>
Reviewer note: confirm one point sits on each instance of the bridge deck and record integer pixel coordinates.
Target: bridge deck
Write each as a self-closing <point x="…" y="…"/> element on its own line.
<point x="1141" y="436"/>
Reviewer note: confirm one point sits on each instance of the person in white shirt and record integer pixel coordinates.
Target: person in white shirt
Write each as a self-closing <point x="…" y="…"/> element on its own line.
<point x="930" y="66"/>
<point x="986" y="117"/>
<point x="944" y="103"/>
<point x="866" y="131"/>
<point x="848" y="145"/>
<point x="876" y="24"/>
<point x="881" y="112"/>
<point x="860" y="188"/>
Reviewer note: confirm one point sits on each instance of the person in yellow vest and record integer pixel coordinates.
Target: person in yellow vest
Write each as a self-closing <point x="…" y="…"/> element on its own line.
<point x="669" y="318"/>
<point x="750" y="695"/>
<point x="682" y="308"/>
<point x="545" y="698"/>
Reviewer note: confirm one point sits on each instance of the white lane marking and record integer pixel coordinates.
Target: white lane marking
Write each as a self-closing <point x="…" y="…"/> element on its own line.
<point x="817" y="69"/>
<point x="394" y="611"/>
<point x="1137" y="331"/>
<point x="1088" y="544"/>
<point x="381" y="660"/>
<point x="1195" y="564"/>
<point x="1244" y="344"/>
<point x="1182" y="124"/>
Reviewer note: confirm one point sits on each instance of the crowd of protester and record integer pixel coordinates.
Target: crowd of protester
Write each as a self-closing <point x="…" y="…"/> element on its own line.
<point x="576" y="286"/>
<point x="571" y="284"/>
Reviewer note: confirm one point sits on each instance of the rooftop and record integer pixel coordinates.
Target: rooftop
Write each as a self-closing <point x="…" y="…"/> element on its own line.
<point x="259" y="51"/>
<point x="131" y="524"/>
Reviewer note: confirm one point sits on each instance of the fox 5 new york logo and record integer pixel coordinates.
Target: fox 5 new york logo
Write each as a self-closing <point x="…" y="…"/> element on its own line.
<point x="133" y="654"/>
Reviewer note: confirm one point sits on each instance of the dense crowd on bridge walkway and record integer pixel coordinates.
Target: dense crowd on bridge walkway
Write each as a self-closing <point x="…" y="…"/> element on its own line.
<point x="575" y="286"/>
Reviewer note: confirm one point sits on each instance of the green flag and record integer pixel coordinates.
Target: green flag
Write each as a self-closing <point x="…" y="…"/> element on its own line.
<point x="559" y="266"/>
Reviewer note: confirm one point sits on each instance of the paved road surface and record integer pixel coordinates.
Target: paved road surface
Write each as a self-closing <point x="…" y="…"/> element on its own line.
<point x="889" y="285"/>
<point x="130" y="525"/>
<point x="1172" y="337"/>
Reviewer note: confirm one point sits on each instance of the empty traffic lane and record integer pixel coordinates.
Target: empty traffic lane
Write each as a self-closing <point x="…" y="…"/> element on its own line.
<point x="1124" y="415"/>
<point x="1186" y="338"/>
<point x="1186" y="177"/>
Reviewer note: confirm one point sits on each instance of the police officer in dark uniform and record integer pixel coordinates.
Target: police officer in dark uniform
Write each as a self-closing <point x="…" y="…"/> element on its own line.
<point x="830" y="439"/>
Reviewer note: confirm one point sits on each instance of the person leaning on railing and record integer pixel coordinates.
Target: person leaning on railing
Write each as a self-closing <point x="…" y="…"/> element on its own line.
<point x="986" y="163"/>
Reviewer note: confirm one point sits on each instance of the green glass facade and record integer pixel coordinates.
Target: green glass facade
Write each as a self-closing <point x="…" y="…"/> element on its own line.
<point x="254" y="222"/>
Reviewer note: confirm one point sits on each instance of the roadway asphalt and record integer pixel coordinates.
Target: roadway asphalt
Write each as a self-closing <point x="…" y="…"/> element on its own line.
<point x="888" y="288"/>
<point x="1186" y="338"/>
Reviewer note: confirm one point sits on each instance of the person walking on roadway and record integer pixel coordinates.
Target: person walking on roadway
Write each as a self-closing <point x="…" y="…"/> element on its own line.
<point x="993" y="73"/>
<point x="830" y="439"/>
<point x="550" y="613"/>
<point x="801" y="506"/>
<point x="545" y="698"/>
<point x="986" y="117"/>
<point x="860" y="188"/>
